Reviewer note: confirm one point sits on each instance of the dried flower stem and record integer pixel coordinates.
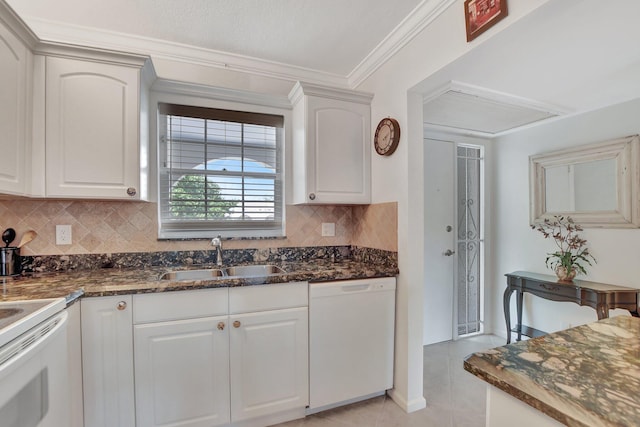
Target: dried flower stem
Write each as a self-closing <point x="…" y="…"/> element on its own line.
<point x="572" y="252"/>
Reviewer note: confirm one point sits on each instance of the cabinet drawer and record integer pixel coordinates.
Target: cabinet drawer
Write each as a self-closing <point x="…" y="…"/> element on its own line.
<point x="268" y="297"/>
<point x="552" y="291"/>
<point x="177" y="305"/>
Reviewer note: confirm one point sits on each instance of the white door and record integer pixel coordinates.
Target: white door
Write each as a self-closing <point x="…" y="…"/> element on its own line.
<point x="439" y="218"/>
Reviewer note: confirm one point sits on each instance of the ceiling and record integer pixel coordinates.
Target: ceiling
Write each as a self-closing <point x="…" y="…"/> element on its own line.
<point x="327" y="36"/>
<point x="563" y="58"/>
<point x="566" y="57"/>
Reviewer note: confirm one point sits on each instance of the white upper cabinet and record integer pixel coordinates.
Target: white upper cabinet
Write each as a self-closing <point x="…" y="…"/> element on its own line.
<point x="93" y="136"/>
<point x="331" y="145"/>
<point x="73" y="120"/>
<point x="15" y="108"/>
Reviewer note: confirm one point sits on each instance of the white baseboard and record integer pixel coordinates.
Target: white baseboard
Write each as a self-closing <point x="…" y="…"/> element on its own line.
<point x="408" y="406"/>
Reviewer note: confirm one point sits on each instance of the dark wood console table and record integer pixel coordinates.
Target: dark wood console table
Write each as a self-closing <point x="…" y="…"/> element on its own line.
<point x="600" y="296"/>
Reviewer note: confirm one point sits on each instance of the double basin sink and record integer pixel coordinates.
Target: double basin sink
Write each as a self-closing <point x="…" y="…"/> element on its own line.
<point x="254" y="273"/>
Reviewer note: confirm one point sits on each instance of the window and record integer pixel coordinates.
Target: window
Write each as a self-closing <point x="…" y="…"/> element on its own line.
<point x="470" y="239"/>
<point x="220" y="172"/>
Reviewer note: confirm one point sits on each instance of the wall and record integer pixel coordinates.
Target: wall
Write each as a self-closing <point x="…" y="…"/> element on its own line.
<point x="396" y="179"/>
<point x="111" y="227"/>
<point x="400" y="177"/>
<point x="517" y="247"/>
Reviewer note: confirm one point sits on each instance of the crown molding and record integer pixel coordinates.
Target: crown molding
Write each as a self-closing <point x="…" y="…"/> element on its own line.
<point x="173" y="87"/>
<point x="55" y="32"/>
<point x="306" y="88"/>
<point x="87" y="53"/>
<point x="425" y="13"/>
<point x="11" y="20"/>
<point x="497" y="96"/>
<point x="65" y="34"/>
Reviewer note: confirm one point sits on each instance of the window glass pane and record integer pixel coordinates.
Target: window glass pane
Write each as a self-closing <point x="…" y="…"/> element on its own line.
<point x="469" y="242"/>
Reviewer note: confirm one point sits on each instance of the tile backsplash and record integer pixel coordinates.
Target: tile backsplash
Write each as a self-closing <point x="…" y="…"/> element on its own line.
<point x="376" y="226"/>
<point x="108" y="227"/>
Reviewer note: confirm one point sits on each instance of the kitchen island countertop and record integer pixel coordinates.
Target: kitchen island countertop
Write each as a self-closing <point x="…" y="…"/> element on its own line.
<point x="584" y="376"/>
<point x="115" y="281"/>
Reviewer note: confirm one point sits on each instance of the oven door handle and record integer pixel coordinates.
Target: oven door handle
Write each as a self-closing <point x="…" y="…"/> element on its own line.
<point x="31" y="340"/>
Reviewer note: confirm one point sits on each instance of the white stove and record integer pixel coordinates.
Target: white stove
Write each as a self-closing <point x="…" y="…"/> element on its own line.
<point x="17" y="317"/>
<point x="33" y="363"/>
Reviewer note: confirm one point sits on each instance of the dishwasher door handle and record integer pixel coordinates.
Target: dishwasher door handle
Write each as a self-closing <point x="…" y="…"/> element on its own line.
<point x="355" y="288"/>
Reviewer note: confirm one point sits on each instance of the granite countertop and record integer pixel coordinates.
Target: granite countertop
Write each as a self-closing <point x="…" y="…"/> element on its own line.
<point x="584" y="376"/>
<point x="114" y="281"/>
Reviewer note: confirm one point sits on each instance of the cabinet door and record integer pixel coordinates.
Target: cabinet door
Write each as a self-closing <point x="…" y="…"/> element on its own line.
<point x="269" y="362"/>
<point x="74" y="350"/>
<point x="107" y="361"/>
<point x="182" y="372"/>
<point x="92" y="129"/>
<point x="15" y="75"/>
<point x="338" y="167"/>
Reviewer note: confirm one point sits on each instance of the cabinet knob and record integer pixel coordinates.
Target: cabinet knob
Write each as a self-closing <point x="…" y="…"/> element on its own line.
<point x="312" y="196"/>
<point x="236" y="324"/>
<point x="131" y="191"/>
<point x="221" y="326"/>
<point x="121" y="305"/>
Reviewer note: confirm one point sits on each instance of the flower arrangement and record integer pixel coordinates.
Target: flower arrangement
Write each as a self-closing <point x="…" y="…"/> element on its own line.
<point x="572" y="254"/>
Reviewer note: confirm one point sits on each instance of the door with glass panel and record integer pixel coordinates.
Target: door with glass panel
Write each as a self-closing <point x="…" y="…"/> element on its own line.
<point x="453" y="240"/>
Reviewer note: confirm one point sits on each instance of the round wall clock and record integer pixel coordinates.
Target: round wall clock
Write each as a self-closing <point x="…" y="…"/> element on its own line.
<point x="387" y="136"/>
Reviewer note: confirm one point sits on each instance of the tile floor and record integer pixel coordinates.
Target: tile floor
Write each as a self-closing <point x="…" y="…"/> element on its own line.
<point x="455" y="398"/>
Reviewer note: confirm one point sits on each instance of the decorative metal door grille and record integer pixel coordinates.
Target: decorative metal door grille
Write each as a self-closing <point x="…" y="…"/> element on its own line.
<point x="469" y="239"/>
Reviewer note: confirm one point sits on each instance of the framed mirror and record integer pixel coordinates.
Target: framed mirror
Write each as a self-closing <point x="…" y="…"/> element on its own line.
<point x="596" y="184"/>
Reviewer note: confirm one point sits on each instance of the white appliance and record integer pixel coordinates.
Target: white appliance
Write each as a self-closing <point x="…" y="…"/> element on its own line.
<point x="351" y="339"/>
<point x="33" y="364"/>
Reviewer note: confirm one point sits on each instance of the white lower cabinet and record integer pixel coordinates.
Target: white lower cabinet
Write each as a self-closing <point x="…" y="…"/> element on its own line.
<point x="216" y="357"/>
<point x="181" y="343"/>
<point x="269" y="362"/>
<point x="107" y="361"/>
<point x="182" y="372"/>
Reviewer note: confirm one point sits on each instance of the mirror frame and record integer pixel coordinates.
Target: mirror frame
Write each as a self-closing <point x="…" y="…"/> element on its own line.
<point x="624" y="150"/>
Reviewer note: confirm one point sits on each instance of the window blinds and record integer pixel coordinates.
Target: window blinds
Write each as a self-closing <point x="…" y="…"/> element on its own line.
<point x="220" y="173"/>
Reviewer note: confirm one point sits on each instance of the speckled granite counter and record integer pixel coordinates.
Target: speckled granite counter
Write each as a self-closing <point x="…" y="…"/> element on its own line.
<point x="583" y="376"/>
<point x="115" y="281"/>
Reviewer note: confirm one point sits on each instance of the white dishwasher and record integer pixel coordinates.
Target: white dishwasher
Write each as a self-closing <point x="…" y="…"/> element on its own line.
<point x="351" y="339"/>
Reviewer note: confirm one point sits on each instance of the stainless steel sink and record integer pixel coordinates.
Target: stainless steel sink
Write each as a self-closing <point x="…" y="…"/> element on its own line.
<point x="256" y="273"/>
<point x="212" y="273"/>
<point x="253" y="270"/>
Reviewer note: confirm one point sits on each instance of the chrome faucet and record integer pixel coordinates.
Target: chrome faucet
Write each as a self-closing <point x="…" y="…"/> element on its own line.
<point x="216" y="242"/>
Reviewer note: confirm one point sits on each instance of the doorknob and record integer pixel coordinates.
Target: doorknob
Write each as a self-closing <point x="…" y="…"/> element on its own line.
<point x="448" y="252"/>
